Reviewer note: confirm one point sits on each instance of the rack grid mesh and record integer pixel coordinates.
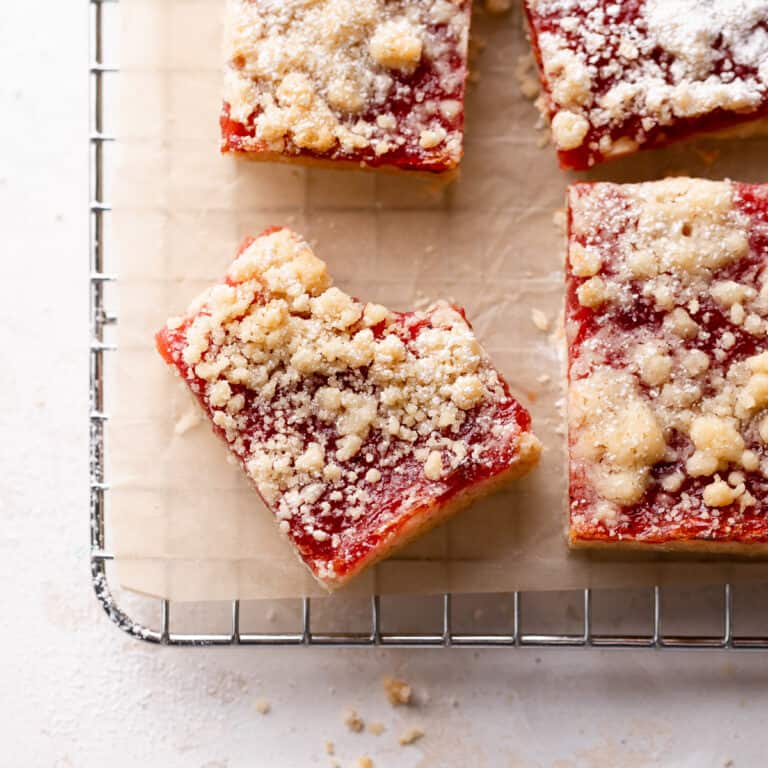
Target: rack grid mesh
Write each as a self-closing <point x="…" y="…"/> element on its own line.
<point x="101" y="72"/>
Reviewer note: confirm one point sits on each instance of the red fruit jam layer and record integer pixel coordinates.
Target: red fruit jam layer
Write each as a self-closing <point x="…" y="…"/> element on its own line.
<point x="331" y="541"/>
<point x="434" y="81"/>
<point x="613" y="23"/>
<point x="607" y="335"/>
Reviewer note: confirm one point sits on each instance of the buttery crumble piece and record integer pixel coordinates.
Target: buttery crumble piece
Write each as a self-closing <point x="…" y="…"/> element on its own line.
<point x="376" y="728"/>
<point x="619" y="75"/>
<point x="364" y="762"/>
<point x="359" y="427"/>
<point x="398" y="691"/>
<point x="330" y="748"/>
<point x="497" y="6"/>
<point x="369" y="82"/>
<point x="667" y="324"/>
<point x="410" y="736"/>
<point x="263" y="707"/>
<point x="353" y="721"/>
<point x="539" y="319"/>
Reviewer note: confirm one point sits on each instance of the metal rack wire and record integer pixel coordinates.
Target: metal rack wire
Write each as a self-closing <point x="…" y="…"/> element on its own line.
<point x="448" y="635"/>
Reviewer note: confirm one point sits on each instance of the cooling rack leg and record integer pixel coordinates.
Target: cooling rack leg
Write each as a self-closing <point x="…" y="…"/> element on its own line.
<point x="447" y="639"/>
<point x="657" y="640"/>
<point x="306" y="635"/>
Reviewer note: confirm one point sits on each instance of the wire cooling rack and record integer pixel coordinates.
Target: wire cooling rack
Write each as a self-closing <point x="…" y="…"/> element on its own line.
<point x="658" y="629"/>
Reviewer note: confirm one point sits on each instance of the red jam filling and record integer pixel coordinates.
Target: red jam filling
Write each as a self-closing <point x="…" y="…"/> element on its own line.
<point x="629" y="11"/>
<point x="659" y="516"/>
<point x="423" y="84"/>
<point x="403" y="491"/>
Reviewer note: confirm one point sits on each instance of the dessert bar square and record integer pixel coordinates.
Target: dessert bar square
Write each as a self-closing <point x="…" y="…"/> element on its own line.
<point x="620" y="75"/>
<point x="666" y="321"/>
<point x="359" y="427"/>
<point x="347" y="82"/>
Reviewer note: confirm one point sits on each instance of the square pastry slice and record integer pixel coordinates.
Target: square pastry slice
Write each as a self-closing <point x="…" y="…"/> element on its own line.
<point x="359" y="427"/>
<point x="618" y="75"/>
<point x="666" y="321"/>
<point x="355" y="82"/>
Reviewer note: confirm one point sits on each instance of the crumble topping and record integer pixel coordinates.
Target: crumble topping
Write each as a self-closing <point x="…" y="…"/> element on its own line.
<point x="618" y="73"/>
<point x="410" y="736"/>
<point x="399" y="692"/>
<point x="353" y="721"/>
<point x="332" y="76"/>
<point x="669" y="378"/>
<point x="335" y="407"/>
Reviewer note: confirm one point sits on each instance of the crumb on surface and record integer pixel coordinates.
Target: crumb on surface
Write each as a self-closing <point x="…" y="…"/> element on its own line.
<point x="539" y="319"/>
<point x="707" y="156"/>
<point x="497" y="6"/>
<point x="398" y="691"/>
<point x="188" y="420"/>
<point x="560" y="220"/>
<point x="353" y="721"/>
<point x="330" y="748"/>
<point x="525" y="74"/>
<point x="364" y="762"/>
<point x="376" y="728"/>
<point x="263" y="707"/>
<point x="410" y="736"/>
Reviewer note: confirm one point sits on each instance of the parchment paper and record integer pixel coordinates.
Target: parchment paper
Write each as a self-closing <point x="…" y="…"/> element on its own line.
<point x="186" y="524"/>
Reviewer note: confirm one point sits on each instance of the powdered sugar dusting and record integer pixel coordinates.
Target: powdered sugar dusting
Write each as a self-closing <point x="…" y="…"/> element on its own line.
<point x="620" y="75"/>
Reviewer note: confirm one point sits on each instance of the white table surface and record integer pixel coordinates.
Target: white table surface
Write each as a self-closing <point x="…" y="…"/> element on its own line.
<point x="76" y="692"/>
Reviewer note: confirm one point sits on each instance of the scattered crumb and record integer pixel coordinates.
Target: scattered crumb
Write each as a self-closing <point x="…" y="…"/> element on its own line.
<point x="478" y="614"/>
<point x="477" y="45"/>
<point x="429" y="249"/>
<point x="539" y="319"/>
<point x="498" y="6"/>
<point x="398" y="691"/>
<point x="364" y="762"/>
<point x="474" y="77"/>
<point x="376" y="728"/>
<point x="271" y="615"/>
<point x="353" y="721"/>
<point x="188" y="420"/>
<point x="263" y="707"/>
<point x="330" y="748"/>
<point x="525" y="73"/>
<point x="560" y="220"/>
<point x="544" y="378"/>
<point x="411" y="736"/>
<point x="557" y="337"/>
<point x="543" y="140"/>
<point x="421" y="301"/>
<point x="708" y="156"/>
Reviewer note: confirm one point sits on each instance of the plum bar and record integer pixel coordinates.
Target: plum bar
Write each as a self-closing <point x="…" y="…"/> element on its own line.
<point x="666" y="321"/>
<point x="620" y="75"/>
<point x="359" y="427"/>
<point x="347" y="82"/>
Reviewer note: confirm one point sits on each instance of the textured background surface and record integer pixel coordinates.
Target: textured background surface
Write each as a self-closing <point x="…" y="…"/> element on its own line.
<point x="77" y="693"/>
